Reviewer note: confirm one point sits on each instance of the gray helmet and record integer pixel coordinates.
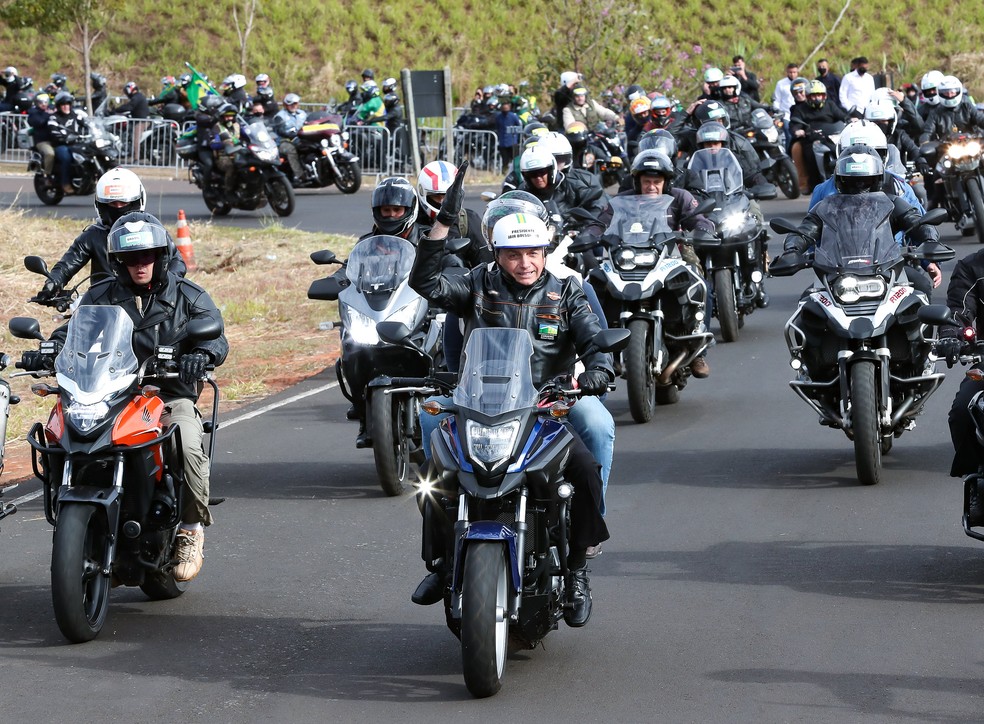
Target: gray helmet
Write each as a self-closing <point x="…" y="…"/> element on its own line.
<point x="655" y="163"/>
<point x="859" y="171"/>
<point x="659" y="139"/>
<point x="711" y="132"/>
<point x="135" y="232"/>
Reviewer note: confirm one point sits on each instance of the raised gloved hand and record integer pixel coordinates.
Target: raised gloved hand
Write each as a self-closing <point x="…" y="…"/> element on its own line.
<point x="49" y="291"/>
<point x="453" y="198"/>
<point x="593" y="381"/>
<point x="949" y="348"/>
<point x="191" y="367"/>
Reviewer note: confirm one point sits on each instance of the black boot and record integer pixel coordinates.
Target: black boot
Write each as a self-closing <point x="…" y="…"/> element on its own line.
<point x="430" y="590"/>
<point x="975" y="506"/>
<point x="578" y="610"/>
<point x="762" y="298"/>
<point x="362" y="439"/>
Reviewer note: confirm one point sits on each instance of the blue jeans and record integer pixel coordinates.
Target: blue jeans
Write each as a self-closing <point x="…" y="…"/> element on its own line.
<point x="63" y="158"/>
<point x="590" y="419"/>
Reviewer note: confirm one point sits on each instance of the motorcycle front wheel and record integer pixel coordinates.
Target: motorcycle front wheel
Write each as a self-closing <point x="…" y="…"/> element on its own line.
<point x="977" y="204"/>
<point x="349" y="178"/>
<point x="787" y="178"/>
<point x="49" y="195"/>
<point x="864" y="422"/>
<point x="215" y="204"/>
<point x="390" y="445"/>
<point x="79" y="589"/>
<point x="727" y="307"/>
<point x="484" y="618"/>
<point x="280" y="195"/>
<point x="639" y="375"/>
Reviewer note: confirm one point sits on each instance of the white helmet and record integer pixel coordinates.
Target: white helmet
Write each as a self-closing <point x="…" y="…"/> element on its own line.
<point x="520" y="231"/>
<point x="950" y="90"/>
<point x="882" y="112"/>
<point x="560" y="146"/>
<point x="883" y="94"/>
<point x="863" y="133"/>
<point x="118" y="185"/>
<point x="713" y="75"/>
<point x="536" y="158"/>
<point x="434" y="179"/>
<point x="568" y="76"/>
<point x="929" y="82"/>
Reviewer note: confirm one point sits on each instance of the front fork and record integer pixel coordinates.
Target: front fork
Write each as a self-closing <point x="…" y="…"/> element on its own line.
<point x="881" y="358"/>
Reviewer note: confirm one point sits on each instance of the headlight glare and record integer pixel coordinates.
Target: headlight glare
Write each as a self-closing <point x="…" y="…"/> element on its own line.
<point x="490" y="444"/>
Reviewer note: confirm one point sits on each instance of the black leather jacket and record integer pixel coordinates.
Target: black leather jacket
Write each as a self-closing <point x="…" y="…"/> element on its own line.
<point x="571" y="192"/>
<point x="166" y="315"/>
<point x="964" y="293"/>
<point x="943" y="121"/>
<point x="553" y="310"/>
<point x="91" y="246"/>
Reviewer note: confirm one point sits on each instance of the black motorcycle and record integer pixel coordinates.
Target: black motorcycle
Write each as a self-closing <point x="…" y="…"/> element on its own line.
<point x="958" y="169"/>
<point x="736" y="267"/>
<point x="322" y="147"/>
<point x="496" y="504"/>
<point x="258" y="178"/>
<point x="92" y="155"/>
<point x="776" y="165"/>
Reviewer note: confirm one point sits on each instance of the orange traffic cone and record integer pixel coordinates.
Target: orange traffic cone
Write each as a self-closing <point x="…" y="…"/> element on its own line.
<point x="183" y="241"/>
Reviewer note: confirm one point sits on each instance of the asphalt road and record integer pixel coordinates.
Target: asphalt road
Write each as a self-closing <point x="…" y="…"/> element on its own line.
<point x="749" y="578"/>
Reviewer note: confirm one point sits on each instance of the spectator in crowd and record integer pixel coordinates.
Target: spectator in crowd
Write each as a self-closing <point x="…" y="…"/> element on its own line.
<point x="857" y="87"/>
<point x="749" y="81"/>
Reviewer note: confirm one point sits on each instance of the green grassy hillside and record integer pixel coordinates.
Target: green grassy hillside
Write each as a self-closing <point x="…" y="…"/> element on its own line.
<point x="314" y="47"/>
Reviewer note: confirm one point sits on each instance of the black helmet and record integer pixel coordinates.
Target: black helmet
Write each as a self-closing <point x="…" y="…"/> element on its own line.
<point x="634" y="91"/>
<point x="367" y="73"/>
<point x="263" y="94"/>
<point x="712" y="111"/>
<point x="652" y="163"/>
<point x="659" y="139"/>
<point x="211" y="103"/>
<point x="351" y="87"/>
<point x="59" y="79"/>
<point x="394" y="191"/>
<point x="98" y="80"/>
<point x="63" y="98"/>
<point x="135" y="232"/>
<point x="391" y="100"/>
<point x="24" y="82"/>
<point x="712" y="132"/>
<point x="859" y="171"/>
<point x="228" y="109"/>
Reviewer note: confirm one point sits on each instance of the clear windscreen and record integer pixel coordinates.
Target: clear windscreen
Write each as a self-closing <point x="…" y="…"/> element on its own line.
<point x="638" y="217"/>
<point x="496" y="376"/>
<point x="378" y="264"/>
<point x="98" y="349"/>
<point x="857" y="233"/>
<point x="715" y="170"/>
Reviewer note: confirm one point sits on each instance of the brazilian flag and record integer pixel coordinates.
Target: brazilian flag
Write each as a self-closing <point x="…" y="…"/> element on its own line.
<point x="199" y="88"/>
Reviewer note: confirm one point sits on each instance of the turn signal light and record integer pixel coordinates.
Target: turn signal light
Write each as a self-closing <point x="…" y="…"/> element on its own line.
<point x="150" y="391"/>
<point x="432" y="407"/>
<point x="559" y="409"/>
<point x="43" y="389"/>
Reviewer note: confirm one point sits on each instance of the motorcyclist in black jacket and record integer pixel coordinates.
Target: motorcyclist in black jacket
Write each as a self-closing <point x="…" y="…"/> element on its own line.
<point x="9" y="83"/>
<point x="554" y="188"/>
<point x="66" y="125"/>
<point x="118" y="192"/>
<point x="136" y="105"/>
<point x="806" y="117"/>
<point x="98" y="82"/>
<point x="37" y="119"/>
<point x="954" y="113"/>
<point x="739" y="106"/>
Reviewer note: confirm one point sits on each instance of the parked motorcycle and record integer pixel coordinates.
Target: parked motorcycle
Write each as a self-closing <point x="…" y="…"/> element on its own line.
<point x="376" y="290"/>
<point x="962" y="181"/>
<point x="861" y="355"/>
<point x="777" y="167"/>
<point x="648" y="289"/>
<point x="92" y="156"/>
<point x="736" y="267"/>
<point x="496" y="503"/>
<point x="322" y="148"/>
<point x="258" y="177"/>
<point x="111" y="473"/>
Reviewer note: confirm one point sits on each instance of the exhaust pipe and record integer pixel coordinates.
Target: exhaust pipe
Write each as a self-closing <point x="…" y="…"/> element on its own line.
<point x="667" y="373"/>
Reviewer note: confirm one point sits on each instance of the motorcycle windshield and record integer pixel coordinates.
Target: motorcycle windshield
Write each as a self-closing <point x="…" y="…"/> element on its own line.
<point x="857" y="234"/>
<point x="260" y="135"/>
<point x="715" y="170"/>
<point x="378" y="264"/>
<point x="637" y="218"/>
<point x="98" y="357"/>
<point x="496" y="376"/>
<point x="761" y="119"/>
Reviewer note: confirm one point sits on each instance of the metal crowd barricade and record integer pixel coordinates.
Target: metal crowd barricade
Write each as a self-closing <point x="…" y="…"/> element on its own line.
<point x="15" y="143"/>
<point x="148" y="142"/>
<point x="481" y="148"/>
<point x="374" y="147"/>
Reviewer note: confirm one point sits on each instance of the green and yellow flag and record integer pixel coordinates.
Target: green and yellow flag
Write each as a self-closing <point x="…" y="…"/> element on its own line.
<point x="199" y="88"/>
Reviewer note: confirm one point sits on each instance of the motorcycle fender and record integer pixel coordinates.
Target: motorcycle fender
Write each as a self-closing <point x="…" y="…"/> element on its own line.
<point x="487" y="531"/>
<point x="108" y="498"/>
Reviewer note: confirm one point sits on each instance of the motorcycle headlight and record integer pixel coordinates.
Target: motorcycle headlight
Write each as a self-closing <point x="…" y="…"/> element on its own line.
<point x="849" y="289"/>
<point x="625" y="259"/>
<point x="732" y="223"/>
<point x="490" y="444"/>
<point x="336" y="140"/>
<point x="771" y="134"/>
<point x="86" y="417"/>
<point x="324" y="143"/>
<point x="265" y="154"/>
<point x="103" y="143"/>
<point x="361" y="329"/>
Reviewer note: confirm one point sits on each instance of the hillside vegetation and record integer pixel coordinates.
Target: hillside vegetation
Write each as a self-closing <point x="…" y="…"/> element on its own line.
<point x="313" y="48"/>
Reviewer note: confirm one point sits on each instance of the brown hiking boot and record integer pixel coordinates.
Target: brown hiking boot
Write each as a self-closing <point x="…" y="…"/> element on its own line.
<point x="699" y="368"/>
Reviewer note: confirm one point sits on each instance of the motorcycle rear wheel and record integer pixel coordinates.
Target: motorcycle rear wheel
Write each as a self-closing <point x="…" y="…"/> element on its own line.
<point x="390" y="445"/>
<point x="787" y="178"/>
<point x="161" y="586"/>
<point x="349" y="178"/>
<point x="727" y="307"/>
<point x="484" y="618"/>
<point x="639" y="375"/>
<point x="79" y="590"/>
<point x="49" y="195"/>
<point x="864" y="422"/>
<point x="977" y="204"/>
<point x="280" y="195"/>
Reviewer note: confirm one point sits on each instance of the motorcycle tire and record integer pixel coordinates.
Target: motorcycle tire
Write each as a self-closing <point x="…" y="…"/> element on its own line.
<point x="161" y="585"/>
<point x="280" y="194"/>
<point x="79" y="589"/>
<point x="49" y="195"/>
<point x="977" y="204"/>
<point x="640" y="377"/>
<point x="864" y="422"/>
<point x="727" y="307"/>
<point x="484" y="620"/>
<point x="787" y="178"/>
<point x="349" y="178"/>
<point x="390" y="445"/>
<point x="218" y="207"/>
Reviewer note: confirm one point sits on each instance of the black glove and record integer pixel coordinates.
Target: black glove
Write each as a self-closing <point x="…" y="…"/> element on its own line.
<point x="71" y="139"/>
<point x="594" y="381"/>
<point x="49" y="291"/>
<point x="191" y="367"/>
<point x="451" y="206"/>
<point x="949" y="348"/>
<point x="796" y="242"/>
<point x="32" y="361"/>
